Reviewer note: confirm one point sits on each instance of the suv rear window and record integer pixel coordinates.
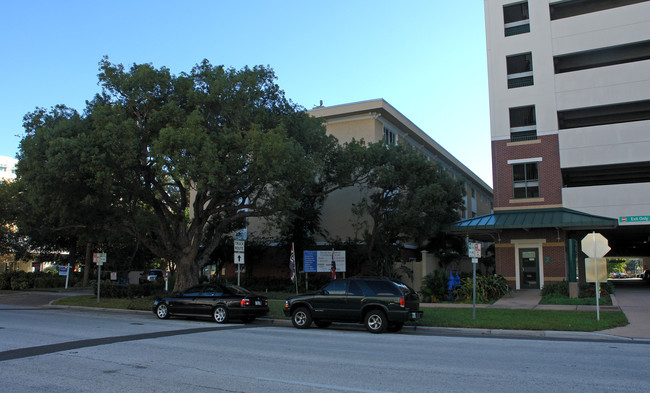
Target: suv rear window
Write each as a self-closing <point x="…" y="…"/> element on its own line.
<point x="383" y="288"/>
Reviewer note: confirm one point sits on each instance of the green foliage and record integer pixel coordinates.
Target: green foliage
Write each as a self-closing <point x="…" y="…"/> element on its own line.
<point x="559" y="288"/>
<point x="407" y="198"/>
<point x="434" y="286"/>
<point x="589" y="289"/>
<point x="20" y="280"/>
<point x="176" y="161"/>
<point x="488" y="288"/>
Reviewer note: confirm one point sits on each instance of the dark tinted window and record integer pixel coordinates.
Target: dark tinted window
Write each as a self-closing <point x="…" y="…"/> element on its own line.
<point x="237" y="290"/>
<point x="212" y="290"/>
<point x="194" y="291"/>
<point x="383" y="288"/>
<point x="354" y="289"/>
<point x="336" y="287"/>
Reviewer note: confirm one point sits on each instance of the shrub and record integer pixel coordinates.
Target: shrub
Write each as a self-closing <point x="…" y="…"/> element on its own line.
<point x="434" y="286"/>
<point x="488" y="288"/>
<point x="560" y="288"/>
<point x="589" y="290"/>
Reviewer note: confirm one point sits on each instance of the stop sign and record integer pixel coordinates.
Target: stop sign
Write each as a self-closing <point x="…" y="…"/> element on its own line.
<point x="595" y="245"/>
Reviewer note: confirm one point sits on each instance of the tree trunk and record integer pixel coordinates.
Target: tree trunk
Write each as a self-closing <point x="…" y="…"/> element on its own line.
<point x="88" y="261"/>
<point x="187" y="273"/>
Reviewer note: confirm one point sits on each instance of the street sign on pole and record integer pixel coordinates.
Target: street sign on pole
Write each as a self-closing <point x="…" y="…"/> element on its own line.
<point x="239" y="246"/>
<point x="595" y="245"/>
<point x="239" y="258"/>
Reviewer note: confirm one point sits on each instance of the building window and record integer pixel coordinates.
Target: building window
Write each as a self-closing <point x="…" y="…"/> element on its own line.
<point x="569" y="8"/>
<point x="525" y="180"/>
<point x="3" y="168"/>
<point x="390" y="138"/>
<point x="604" y="114"/>
<point x="515" y="19"/>
<point x="523" y="125"/>
<point x="602" y="57"/>
<point x="520" y="70"/>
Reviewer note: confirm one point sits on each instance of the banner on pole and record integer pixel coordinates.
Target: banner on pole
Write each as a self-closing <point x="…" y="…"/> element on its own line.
<point x="321" y="261"/>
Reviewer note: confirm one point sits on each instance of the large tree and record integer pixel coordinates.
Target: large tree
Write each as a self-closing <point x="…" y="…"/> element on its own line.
<point x="180" y="161"/>
<point x="407" y="198"/>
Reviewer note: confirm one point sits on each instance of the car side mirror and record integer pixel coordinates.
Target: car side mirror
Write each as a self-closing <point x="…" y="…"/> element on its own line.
<point x="324" y="292"/>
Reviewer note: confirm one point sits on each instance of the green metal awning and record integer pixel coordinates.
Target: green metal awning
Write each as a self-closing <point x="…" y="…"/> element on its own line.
<point x="560" y="218"/>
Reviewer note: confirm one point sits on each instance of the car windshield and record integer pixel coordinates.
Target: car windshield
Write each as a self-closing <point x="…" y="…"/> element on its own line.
<point x="237" y="290"/>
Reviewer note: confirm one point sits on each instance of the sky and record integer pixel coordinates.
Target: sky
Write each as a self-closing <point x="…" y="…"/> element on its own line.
<point x="426" y="58"/>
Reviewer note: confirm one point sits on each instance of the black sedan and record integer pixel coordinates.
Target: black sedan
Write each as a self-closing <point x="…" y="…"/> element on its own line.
<point x="221" y="302"/>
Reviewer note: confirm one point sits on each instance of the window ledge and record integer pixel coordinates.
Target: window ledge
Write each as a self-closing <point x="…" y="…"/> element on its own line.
<point x="530" y="142"/>
<point x="527" y="200"/>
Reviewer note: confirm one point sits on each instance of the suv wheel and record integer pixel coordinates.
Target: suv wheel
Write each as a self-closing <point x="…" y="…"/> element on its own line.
<point x="301" y="318"/>
<point x="376" y="321"/>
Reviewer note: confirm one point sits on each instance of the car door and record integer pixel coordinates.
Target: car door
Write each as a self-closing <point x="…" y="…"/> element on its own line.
<point x="209" y="296"/>
<point x="354" y="301"/>
<point x="184" y="302"/>
<point x="330" y="302"/>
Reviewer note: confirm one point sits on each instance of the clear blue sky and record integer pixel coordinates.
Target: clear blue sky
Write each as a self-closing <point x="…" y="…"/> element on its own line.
<point x="425" y="57"/>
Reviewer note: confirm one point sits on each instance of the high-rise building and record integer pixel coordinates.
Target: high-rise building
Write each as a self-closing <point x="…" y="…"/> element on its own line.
<point x="569" y="86"/>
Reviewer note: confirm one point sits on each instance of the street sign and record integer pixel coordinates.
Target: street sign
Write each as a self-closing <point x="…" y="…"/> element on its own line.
<point x="99" y="258"/>
<point x="474" y="250"/>
<point x="474" y="260"/>
<point x="595" y="245"/>
<point x="590" y="269"/>
<point x="239" y="246"/>
<point x="239" y="258"/>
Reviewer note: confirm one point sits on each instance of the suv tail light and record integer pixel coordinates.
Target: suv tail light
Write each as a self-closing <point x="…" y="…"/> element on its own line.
<point x="402" y="302"/>
<point x="245" y="302"/>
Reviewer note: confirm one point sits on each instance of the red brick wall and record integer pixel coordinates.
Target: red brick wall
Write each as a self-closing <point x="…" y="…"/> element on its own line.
<point x="550" y="175"/>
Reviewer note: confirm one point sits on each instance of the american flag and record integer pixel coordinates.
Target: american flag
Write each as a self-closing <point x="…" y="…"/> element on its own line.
<point x="333" y="266"/>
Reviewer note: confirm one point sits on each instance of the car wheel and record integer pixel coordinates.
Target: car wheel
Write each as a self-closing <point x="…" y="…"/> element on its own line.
<point x="376" y="321"/>
<point x="301" y="318"/>
<point x="162" y="311"/>
<point x="248" y="319"/>
<point x="322" y="324"/>
<point x="395" y="327"/>
<point x="220" y="314"/>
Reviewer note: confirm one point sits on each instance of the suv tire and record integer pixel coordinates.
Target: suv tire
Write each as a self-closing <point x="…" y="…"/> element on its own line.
<point x="376" y="321"/>
<point x="301" y="318"/>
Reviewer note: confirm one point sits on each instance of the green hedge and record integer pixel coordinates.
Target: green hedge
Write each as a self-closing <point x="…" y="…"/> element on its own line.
<point x="20" y="280"/>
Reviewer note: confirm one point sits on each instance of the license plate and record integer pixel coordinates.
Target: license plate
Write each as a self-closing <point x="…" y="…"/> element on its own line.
<point x="258" y="302"/>
<point x="416" y="314"/>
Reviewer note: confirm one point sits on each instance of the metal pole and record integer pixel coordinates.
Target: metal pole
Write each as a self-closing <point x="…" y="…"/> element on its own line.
<point x="67" y="276"/>
<point x="473" y="290"/>
<point x="596" y="274"/>
<point x="99" y="278"/>
<point x="238" y="274"/>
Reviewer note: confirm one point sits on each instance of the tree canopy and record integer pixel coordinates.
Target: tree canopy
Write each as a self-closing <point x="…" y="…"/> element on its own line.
<point x="177" y="161"/>
<point x="408" y="199"/>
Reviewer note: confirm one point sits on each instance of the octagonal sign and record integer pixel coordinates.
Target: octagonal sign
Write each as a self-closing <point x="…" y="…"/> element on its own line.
<point x="595" y="245"/>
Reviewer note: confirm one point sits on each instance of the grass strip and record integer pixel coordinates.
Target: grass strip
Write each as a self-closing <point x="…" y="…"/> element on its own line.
<point x="486" y="318"/>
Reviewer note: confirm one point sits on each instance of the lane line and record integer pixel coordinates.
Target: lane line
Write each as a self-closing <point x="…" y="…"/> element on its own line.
<point x="21" y="353"/>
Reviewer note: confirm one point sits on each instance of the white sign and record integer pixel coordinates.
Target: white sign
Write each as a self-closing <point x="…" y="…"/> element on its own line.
<point x="474" y="250"/>
<point x="590" y="269"/>
<point x="595" y="245"/>
<point x="474" y="260"/>
<point x="239" y="258"/>
<point x="99" y="258"/>
<point x="239" y="246"/>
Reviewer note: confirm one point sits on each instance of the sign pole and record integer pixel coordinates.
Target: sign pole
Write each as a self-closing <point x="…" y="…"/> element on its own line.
<point x="67" y="276"/>
<point x="474" y="288"/>
<point x="597" y="283"/>
<point x="99" y="278"/>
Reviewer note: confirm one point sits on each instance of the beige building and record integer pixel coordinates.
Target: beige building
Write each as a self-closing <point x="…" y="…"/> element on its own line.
<point x="374" y="121"/>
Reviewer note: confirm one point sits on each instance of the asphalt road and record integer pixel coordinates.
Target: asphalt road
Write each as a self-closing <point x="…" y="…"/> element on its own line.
<point x="62" y="350"/>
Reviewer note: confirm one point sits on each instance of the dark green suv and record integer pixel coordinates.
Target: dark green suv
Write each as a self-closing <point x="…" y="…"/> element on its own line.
<point x="378" y="302"/>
